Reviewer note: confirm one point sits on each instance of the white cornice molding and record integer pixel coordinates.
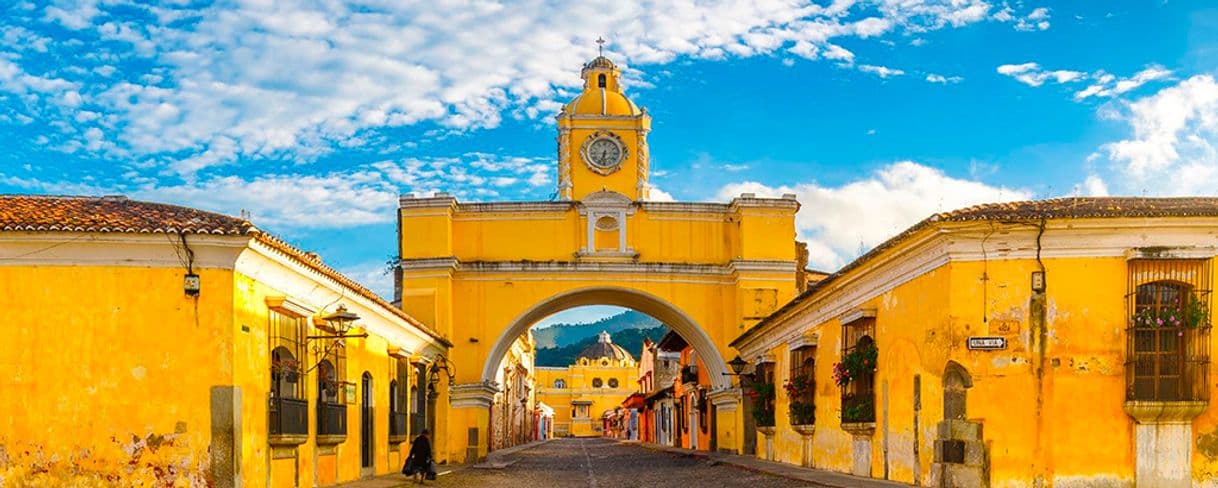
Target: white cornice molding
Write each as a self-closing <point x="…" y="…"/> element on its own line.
<point x="686" y="207"/>
<point x="620" y="267"/>
<point x="938" y="245"/>
<point x="34" y="248"/>
<point x="289" y="306"/>
<point x="472" y="395"/>
<point x="1171" y="253"/>
<point x="410" y="202"/>
<point x="761" y="266"/>
<point x="725" y="400"/>
<point x="745" y="201"/>
<point x="857" y="315"/>
<point x="516" y="207"/>
<point x="429" y="264"/>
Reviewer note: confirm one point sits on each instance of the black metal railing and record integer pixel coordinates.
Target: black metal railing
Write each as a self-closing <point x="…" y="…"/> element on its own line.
<point x="289" y="416"/>
<point x="331" y="419"/>
<point x="397" y="423"/>
<point x="689" y="374"/>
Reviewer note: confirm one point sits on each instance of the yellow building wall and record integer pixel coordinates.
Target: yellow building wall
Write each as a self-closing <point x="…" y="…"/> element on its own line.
<point x="105" y="364"/>
<point x="1048" y="427"/>
<point x="578" y="378"/>
<point x="252" y="355"/>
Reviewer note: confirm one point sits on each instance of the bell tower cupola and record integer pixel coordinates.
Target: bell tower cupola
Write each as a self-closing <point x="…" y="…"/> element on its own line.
<point x="602" y="137"/>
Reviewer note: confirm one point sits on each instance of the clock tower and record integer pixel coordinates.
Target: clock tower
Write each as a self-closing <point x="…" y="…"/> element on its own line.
<point x="602" y="138"/>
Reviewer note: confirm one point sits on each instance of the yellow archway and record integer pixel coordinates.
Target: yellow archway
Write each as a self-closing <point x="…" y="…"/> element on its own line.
<point x="482" y="273"/>
<point x="639" y="300"/>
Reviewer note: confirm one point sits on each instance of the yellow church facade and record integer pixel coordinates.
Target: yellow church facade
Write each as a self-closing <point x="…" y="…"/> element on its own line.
<point x="150" y="344"/>
<point x="1049" y="343"/>
<point x="483" y="273"/>
<point x="602" y="376"/>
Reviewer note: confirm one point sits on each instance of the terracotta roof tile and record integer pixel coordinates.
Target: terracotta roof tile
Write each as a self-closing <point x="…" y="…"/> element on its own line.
<point x="1051" y="209"/>
<point x="110" y="214"/>
<point x="50" y="213"/>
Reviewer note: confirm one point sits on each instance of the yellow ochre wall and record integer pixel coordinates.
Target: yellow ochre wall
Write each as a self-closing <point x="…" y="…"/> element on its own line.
<point x="1068" y="426"/>
<point x="252" y="375"/>
<point x="471" y="285"/>
<point x="103" y="361"/>
<point x="578" y="379"/>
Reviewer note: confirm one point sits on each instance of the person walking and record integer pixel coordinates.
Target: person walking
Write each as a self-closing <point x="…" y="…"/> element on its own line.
<point x="418" y="463"/>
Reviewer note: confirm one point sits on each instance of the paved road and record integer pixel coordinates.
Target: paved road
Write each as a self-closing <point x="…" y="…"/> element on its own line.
<point x="599" y="463"/>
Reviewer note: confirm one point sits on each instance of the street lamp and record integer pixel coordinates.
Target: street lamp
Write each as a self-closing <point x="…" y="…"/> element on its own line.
<point x="340" y="323"/>
<point x="433" y="375"/>
<point x="737" y="364"/>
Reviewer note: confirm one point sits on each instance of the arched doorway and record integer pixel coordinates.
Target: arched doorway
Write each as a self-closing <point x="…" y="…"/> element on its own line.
<point x="366" y="432"/>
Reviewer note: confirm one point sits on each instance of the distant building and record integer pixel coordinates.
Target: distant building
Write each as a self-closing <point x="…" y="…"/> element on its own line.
<point x="603" y="374"/>
<point x="512" y="412"/>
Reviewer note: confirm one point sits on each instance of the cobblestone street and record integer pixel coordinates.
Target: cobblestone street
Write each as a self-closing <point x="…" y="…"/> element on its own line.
<point x="606" y="464"/>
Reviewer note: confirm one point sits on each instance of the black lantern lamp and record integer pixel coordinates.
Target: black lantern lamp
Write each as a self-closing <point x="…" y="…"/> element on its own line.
<point x="433" y="375"/>
<point x="340" y="323"/>
<point x="737" y="364"/>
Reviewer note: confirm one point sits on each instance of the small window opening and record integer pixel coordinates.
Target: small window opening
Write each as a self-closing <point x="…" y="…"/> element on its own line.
<point x="600" y="81"/>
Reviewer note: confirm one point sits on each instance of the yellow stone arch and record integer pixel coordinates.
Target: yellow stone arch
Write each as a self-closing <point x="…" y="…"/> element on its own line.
<point x="636" y="299"/>
<point x="482" y="273"/>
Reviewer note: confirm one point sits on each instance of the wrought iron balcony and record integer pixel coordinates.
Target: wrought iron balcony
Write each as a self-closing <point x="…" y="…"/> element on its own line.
<point x="289" y="416"/>
<point x="689" y="374"/>
<point x="397" y="424"/>
<point x="331" y="419"/>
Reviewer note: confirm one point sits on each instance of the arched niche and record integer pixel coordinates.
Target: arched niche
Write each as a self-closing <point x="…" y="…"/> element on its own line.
<point x="956" y="382"/>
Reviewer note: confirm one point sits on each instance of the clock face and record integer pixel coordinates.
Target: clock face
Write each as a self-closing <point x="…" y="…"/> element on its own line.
<point x="604" y="153"/>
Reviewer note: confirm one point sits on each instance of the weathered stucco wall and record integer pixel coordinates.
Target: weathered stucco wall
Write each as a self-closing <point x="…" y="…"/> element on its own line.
<point x="109" y="373"/>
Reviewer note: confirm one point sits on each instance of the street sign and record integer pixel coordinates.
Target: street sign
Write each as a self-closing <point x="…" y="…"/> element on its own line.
<point x="987" y="343"/>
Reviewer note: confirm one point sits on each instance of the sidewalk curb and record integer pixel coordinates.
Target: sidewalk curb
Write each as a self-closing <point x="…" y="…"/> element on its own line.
<point x="726" y="460"/>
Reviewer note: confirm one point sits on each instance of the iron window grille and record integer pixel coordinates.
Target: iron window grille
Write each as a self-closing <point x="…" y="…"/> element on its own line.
<point x="287" y="410"/>
<point x="802" y="378"/>
<point x="331" y="412"/>
<point x="1168" y="335"/>
<point x="858" y="396"/>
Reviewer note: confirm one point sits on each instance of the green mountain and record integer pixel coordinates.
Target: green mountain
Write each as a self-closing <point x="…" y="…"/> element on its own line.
<point x="629" y="339"/>
<point x="559" y="335"/>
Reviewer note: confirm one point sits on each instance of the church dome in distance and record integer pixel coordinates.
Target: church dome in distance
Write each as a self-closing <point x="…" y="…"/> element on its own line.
<point x="604" y="348"/>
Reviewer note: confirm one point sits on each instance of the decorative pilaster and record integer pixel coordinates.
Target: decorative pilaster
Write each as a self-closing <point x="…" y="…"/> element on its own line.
<point x="564" y="164"/>
<point x="644" y="189"/>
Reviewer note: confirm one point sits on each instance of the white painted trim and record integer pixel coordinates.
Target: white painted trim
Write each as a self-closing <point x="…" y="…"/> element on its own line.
<point x="289" y="306"/>
<point x="857" y="315"/>
<point x="36" y="248"/>
<point x="472" y="395"/>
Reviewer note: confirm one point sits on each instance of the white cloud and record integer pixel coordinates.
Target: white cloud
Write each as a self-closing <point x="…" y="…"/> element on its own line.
<point x="881" y="71"/>
<point x="1173" y="146"/>
<point x="1094" y="186"/>
<point x="658" y="195"/>
<point x="1107" y="85"/>
<point x="937" y="78"/>
<point x="840" y="222"/>
<point x="1031" y="74"/>
<point x="373" y="275"/>
<point x="234" y="80"/>
<point x="735" y="168"/>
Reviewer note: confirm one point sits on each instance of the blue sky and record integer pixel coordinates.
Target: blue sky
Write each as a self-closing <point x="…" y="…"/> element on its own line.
<point x="314" y="117"/>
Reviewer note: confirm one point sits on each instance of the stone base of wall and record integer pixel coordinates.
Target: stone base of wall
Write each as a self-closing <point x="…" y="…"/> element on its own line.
<point x="961" y="457"/>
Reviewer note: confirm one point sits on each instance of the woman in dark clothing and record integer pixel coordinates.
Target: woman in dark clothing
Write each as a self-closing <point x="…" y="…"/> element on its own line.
<point x="418" y="463"/>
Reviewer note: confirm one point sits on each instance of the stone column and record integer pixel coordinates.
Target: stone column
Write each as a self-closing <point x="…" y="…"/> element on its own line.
<point x="727" y="419"/>
<point x="469" y="419"/>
